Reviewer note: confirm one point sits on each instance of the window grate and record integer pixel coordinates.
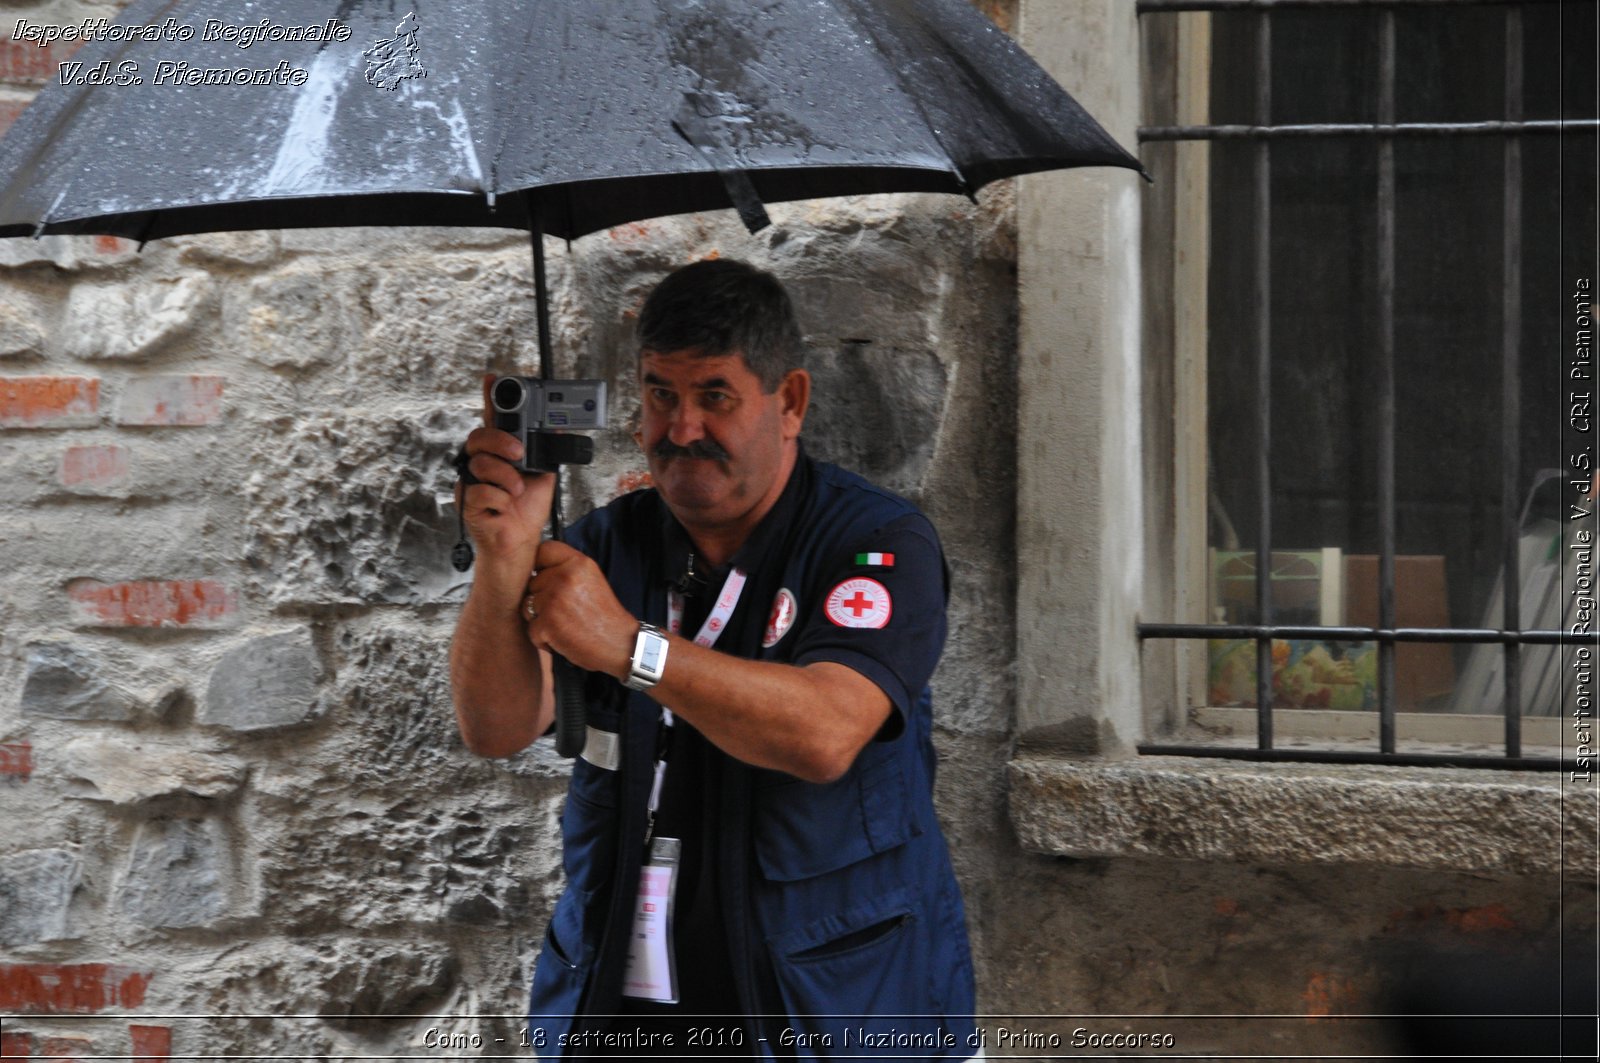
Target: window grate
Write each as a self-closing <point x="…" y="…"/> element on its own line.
<point x="1386" y="634"/>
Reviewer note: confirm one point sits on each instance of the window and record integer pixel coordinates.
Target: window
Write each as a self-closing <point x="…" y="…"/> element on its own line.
<point x="1384" y="216"/>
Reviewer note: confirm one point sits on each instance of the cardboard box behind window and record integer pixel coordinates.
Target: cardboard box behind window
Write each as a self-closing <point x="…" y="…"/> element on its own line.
<point x="1423" y="671"/>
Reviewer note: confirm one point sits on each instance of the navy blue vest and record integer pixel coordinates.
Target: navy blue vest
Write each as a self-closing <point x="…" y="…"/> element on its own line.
<point x="839" y="897"/>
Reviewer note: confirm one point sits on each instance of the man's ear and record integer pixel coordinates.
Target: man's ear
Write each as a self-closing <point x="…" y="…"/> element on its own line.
<point x="795" y="393"/>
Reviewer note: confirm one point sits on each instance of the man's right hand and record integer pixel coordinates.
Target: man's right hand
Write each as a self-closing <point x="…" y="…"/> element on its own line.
<point x="507" y="510"/>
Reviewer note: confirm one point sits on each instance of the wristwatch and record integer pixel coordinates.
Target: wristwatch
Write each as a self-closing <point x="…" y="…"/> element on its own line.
<point x="649" y="658"/>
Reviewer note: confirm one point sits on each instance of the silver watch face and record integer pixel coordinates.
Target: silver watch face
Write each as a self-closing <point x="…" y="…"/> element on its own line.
<point x="649" y="658"/>
<point x="651" y="654"/>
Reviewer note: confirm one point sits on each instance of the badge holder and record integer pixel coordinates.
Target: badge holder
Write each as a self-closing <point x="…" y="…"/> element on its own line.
<point x="652" y="970"/>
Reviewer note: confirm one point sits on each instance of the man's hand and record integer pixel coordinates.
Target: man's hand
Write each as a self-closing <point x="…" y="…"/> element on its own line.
<point x="507" y="510"/>
<point x="571" y="611"/>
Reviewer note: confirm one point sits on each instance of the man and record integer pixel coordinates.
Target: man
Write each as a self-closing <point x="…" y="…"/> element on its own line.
<point x="750" y="830"/>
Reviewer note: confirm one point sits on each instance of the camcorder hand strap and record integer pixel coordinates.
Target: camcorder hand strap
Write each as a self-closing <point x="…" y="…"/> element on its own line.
<point x="461" y="553"/>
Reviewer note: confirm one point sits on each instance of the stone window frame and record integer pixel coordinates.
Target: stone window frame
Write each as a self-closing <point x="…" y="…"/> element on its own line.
<point x="1096" y="502"/>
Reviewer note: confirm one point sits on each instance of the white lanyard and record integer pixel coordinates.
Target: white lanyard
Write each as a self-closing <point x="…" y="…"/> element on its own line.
<point x="732" y="588"/>
<point x="716" y="623"/>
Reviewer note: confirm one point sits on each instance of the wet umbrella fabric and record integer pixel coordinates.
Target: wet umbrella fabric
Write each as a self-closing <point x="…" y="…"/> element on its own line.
<point x="455" y="114"/>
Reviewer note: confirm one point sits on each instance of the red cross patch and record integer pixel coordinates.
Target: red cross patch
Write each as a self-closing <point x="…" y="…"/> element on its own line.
<point x="859" y="602"/>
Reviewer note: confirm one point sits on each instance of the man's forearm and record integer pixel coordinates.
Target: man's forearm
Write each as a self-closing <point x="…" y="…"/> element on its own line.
<point x="810" y="721"/>
<point x="497" y="679"/>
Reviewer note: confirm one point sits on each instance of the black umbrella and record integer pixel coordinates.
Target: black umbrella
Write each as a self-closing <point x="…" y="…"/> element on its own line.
<point x="449" y="114"/>
<point x="556" y="116"/>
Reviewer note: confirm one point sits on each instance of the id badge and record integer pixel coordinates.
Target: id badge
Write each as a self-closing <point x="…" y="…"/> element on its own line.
<point x="652" y="971"/>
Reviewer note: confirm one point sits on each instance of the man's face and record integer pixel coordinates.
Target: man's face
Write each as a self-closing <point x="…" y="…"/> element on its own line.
<point x="715" y="442"/>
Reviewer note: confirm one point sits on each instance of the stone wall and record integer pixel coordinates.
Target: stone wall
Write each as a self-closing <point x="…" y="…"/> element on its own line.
<point x="230" y="780"/>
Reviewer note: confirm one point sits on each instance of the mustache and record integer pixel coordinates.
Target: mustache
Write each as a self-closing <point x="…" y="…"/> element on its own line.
<point x="705" y="449"/>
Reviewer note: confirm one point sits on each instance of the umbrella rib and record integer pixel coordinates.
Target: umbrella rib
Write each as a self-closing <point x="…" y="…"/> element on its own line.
<point x="881" y="55"/>
<point x="502" y="101"/>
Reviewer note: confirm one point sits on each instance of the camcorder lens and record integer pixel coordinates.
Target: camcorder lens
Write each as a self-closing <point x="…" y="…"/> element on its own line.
<point x="508" y="394"/>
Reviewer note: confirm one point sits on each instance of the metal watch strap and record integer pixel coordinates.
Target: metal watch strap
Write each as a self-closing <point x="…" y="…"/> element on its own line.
<point x="649" y="658"/>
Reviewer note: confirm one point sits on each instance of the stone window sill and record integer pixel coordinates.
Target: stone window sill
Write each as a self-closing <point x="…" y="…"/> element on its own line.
<point x="1281" y="813"/>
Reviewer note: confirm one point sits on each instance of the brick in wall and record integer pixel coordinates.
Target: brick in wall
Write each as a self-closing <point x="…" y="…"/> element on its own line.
<point x="197" y="603"/>
<point x="27" y="63"/>
<point x="167" y="401"/>
<point x="16" y="760"/>
<point x="70" y="988"/>
<point x="49" y="401"/>
<point x="67" y="1049"/>
<point x="93" y="466"/>
<point x="151" y="1044"/>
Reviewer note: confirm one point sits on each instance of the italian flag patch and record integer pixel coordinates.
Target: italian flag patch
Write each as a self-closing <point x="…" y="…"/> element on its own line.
<point x="880" y="560"/>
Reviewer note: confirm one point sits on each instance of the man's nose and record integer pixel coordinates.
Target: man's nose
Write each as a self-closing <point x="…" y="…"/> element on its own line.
<point x="688" y="424"/>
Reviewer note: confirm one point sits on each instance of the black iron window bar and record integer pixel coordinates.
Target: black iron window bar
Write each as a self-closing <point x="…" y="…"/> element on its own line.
<point x="1386" y="634"/>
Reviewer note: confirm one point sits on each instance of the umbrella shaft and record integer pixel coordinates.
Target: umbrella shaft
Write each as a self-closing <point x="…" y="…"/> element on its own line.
<point x="541" y="298"/>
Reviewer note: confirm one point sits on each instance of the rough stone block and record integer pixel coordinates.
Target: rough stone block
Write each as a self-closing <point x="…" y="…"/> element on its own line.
<point x="199" y="603"/>
<point x="342" y="507"/>
<point x="898" y="309"/>
<point x="36" y="888"/>
<point x="61" y="252"/>
<point x="176" y="876"/>
<point x="481" y="862"/>
<point x="130" y="322"/>
<point x="393" y="692"/>
<point x="63" y="683"/>
<point x="170" y="401"/>
<point x="439" y="323"/>
<point x="70" y="988"/>
<point x="269" y="682"/>
<point x="49" y="401"/>
<point x="377" y="979"/>
<point x="92" y="468"/>
<point x="877" y="411"/>
<point x="21" y="334"/>
<point x="251" y="248"/>
<point x="297" y="317"/>
<point x="1166" y="807"/>
<point x="126" y="772"/>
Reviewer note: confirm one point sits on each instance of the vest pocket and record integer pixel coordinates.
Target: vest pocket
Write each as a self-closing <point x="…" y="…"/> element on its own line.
<point x="856" y="983"/>
<point x="564" y="940"/>
<point x="562" y="969"/>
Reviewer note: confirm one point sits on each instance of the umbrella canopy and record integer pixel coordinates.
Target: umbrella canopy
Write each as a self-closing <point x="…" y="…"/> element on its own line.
<point x="565" y="116"/>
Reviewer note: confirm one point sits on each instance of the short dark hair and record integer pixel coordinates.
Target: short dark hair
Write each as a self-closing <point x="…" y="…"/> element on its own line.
<point x="723" y="306"/>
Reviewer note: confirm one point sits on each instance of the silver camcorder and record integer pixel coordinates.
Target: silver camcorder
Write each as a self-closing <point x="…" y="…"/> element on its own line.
<point x="540" y="413"/>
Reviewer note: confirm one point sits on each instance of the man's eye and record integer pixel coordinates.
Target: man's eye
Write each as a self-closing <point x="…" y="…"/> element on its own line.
<point x="715" y="398"/>
<point x="662" y="396"/>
